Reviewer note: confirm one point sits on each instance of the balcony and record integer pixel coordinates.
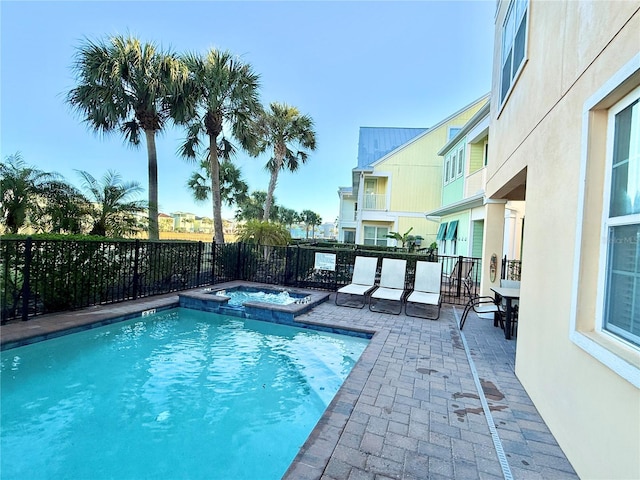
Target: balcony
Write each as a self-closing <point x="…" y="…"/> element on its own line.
<point x="374" y="201"/>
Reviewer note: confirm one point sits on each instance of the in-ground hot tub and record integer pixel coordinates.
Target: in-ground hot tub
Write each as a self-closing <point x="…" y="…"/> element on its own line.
<point x="259" y="305"/>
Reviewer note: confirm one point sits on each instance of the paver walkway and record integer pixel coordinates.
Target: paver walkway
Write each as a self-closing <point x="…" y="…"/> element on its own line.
<point x="410" y="408"/>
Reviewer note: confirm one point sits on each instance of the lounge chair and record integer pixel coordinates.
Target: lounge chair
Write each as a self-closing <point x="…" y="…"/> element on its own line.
<point x="362" y="282"/>
<point x="391" y="287"/>
<point x="426" y="289"/>
<point x="461" y="270"/>
<point x="481" y="305"/>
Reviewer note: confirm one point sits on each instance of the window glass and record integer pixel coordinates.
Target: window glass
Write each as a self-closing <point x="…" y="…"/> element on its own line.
<point x="625" y="175"/>
<point x="514" y="37"/>
<point x="622" y="304"/>
<point x="446" y="168"/>
<point x="460" y="161"/>
<point x="518" y="49"/>
<point x="349" y="236"/>
<point x="621" y="314"/>
<point x="375" y="236"/>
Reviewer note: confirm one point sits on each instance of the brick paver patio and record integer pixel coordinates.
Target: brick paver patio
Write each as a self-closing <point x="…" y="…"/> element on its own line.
<point x="410" y="408"/>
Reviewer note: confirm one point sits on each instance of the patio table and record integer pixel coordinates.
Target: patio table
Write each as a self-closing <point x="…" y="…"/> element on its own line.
<point x="509" y="294"/>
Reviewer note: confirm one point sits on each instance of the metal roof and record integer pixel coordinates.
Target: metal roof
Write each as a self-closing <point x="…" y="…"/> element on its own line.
<point x="375" y="142"/>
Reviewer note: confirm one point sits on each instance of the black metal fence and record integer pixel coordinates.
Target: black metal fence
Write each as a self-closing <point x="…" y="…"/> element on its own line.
<point x="43" y="276"/>
<point x="511" y="269"/>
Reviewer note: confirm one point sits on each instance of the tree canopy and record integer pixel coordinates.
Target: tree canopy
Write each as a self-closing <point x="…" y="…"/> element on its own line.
<point x="290" y="135"/>
<point x="125" y="85"/>
<point x="221" y="90"/>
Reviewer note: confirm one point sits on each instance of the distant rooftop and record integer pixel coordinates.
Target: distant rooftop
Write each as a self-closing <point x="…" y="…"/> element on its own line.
<point x="375" y="142"/>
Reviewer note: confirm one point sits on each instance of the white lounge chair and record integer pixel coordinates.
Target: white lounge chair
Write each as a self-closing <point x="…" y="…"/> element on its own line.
<point x="362" y="281"/>
<point x="426" y="288"/>
<point x="391" y="287"/>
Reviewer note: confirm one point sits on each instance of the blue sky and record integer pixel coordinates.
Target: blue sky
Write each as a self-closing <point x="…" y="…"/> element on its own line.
<point x="346" y="64"/>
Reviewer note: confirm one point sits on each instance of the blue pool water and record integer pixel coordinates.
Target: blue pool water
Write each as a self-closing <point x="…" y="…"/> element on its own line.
<point x="240" y="295"/>
<point x="180" y="394"/>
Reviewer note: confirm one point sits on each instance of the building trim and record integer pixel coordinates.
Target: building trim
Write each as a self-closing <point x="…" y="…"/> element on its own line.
<point x="465" y="204"/>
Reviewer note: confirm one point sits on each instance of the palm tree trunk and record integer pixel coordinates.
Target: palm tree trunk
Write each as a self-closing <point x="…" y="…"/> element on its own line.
<point x="272" y="187"/>
<point x="214" y="166"/>
<point x="153" y="184"/>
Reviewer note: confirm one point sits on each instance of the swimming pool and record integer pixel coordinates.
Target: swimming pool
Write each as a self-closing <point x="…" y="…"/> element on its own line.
<point x="180" y="394"/>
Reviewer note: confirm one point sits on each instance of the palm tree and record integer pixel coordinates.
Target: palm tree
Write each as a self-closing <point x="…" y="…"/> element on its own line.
<point x="288" y="216"/>
<point x="64" y="209"/>
<point x="311" y="219"/>
<point x="288" y="133"/>
<point x="125" y="85"/>
<point x="264" y="233"/>
<point x="114" y="212"/>
<point x="252" y="207"/>
<point x="221" y="91"/>
<point x="21" y="186"/>
<point x="233" y="189"/>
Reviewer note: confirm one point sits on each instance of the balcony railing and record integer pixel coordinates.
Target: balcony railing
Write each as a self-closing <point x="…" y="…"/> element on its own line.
<point x="375" y="201"/>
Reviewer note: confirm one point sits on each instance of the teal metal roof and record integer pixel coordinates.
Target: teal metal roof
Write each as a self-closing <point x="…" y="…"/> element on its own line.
<point x="375" y="142"/>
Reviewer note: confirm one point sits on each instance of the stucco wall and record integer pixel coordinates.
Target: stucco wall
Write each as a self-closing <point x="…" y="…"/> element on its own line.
<point x="573" y="49"/>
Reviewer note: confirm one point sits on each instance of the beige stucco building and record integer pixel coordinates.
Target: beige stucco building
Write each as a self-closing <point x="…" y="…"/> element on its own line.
<point x="565" y="136"/>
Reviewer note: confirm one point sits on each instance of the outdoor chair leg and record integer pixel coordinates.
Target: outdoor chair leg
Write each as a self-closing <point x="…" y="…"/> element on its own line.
<point x="346" y="304"/>
<point x="467" y="309"/>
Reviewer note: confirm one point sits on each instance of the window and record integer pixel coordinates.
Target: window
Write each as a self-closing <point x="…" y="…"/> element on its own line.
<point x="447" y="162"/>
<point x="605" y="310"/>
<point x="460" y="161"/>
<point x="442" y="230"/>
<point x="376" y="236"/>
<point x="349" y="236"/>
<point x="452" y="230"/>
<point x="453" y="131"/>
<point x="514" y="37"/>
<point x="621" y="223"/>
<point x="452" y="173"/>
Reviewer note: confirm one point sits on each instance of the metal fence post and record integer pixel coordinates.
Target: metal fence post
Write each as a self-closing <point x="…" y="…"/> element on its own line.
<point x="297" y="270"/>
<point x="200" y="245"/>
<point x="213" y="263"/>
<point x="136" y="272"/>
<point x="26" y="277"/>
<point x="239" y="262"/>
<point x="459" y="275"/>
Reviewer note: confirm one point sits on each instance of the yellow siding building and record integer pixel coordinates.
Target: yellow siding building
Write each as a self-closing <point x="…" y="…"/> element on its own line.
<point x="398" y="178"/>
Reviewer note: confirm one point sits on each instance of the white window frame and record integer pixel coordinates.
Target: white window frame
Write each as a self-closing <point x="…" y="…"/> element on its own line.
<point x="608" y="221"/>
<point x="612" y="351"/>
<point x="447" y="161"/>
<point x="376" y="238"/>
<point x="460" y="168"/>
<point x="515" y="14"/>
